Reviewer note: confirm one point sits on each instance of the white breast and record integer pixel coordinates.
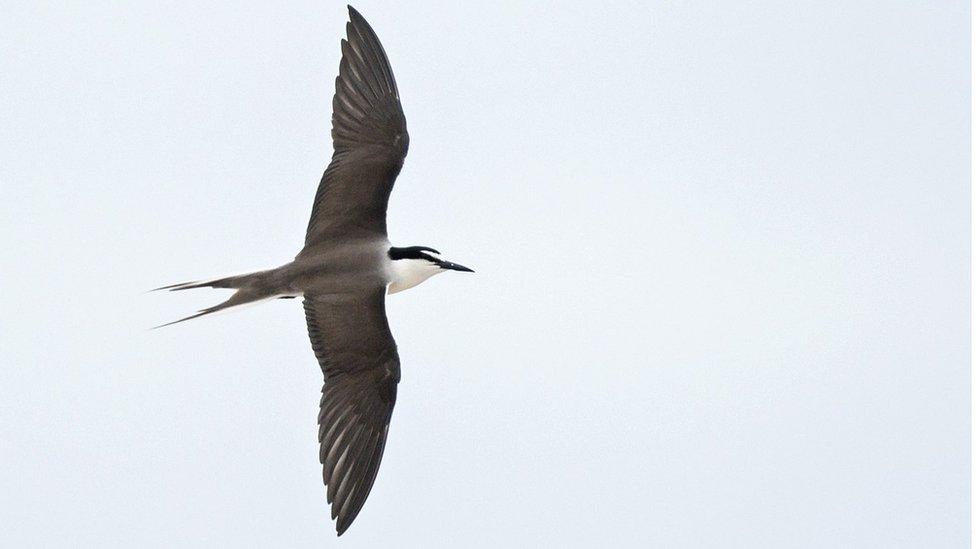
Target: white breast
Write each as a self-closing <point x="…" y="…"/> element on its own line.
<point x="407" y="273"/>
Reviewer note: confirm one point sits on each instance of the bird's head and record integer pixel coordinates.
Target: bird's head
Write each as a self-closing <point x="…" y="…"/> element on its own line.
<point x="415" y="264"/>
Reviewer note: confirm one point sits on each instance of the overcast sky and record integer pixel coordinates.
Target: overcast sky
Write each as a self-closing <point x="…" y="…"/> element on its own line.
<point x="722" y="286"/>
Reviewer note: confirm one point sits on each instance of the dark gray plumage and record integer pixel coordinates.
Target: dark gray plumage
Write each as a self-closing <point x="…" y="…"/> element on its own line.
<point x="369" y="134"/>
<point x="344" y="271"/>
<point x="353" y="343"/>
<point x="349" y="332"/>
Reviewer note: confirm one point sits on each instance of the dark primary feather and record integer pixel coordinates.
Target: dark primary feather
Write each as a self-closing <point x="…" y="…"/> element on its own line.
<point x="369" y="135"/>
<point x="353" y="344"/>
<point x="349" y="332"/>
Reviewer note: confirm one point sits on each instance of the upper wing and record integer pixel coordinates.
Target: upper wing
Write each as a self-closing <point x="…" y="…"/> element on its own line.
<point x="369" y="134"/>
<point x="353" y="343"/>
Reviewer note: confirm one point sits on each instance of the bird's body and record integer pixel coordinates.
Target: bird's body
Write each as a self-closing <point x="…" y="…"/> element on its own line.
<point x="345" y="267"/>
<point x="345" y="270"/>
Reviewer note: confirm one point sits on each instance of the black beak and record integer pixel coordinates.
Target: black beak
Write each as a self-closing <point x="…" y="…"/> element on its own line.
<point x="455" y="267"/>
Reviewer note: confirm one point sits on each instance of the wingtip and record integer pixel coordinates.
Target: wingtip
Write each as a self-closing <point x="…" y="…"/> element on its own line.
<point x="341" y="525"/>
<point x="356" y="18"/>
<point x="344" y="523"/>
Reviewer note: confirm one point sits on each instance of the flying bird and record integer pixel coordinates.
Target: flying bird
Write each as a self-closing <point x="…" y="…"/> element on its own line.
<point x="346" y="268"/>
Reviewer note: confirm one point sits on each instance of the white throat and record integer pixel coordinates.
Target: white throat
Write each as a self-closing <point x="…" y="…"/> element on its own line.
<point x="407" y="273"/>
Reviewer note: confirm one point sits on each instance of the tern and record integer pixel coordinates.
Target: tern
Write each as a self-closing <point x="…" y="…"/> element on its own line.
<point x="344" y="271"/>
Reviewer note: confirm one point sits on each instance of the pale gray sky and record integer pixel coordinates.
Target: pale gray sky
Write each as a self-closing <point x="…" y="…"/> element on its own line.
<point x="722" y="294"/>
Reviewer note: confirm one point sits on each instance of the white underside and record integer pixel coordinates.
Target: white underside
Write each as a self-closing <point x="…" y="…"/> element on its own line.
<point x="407" y="273"/>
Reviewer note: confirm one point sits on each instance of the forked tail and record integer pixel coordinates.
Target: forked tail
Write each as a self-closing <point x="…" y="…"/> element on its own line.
<point x="250" y="287"/>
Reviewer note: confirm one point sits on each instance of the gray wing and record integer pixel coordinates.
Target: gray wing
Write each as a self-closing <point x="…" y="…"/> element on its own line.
<point x="352" y="342"/>
<point x="369" y="134"/>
